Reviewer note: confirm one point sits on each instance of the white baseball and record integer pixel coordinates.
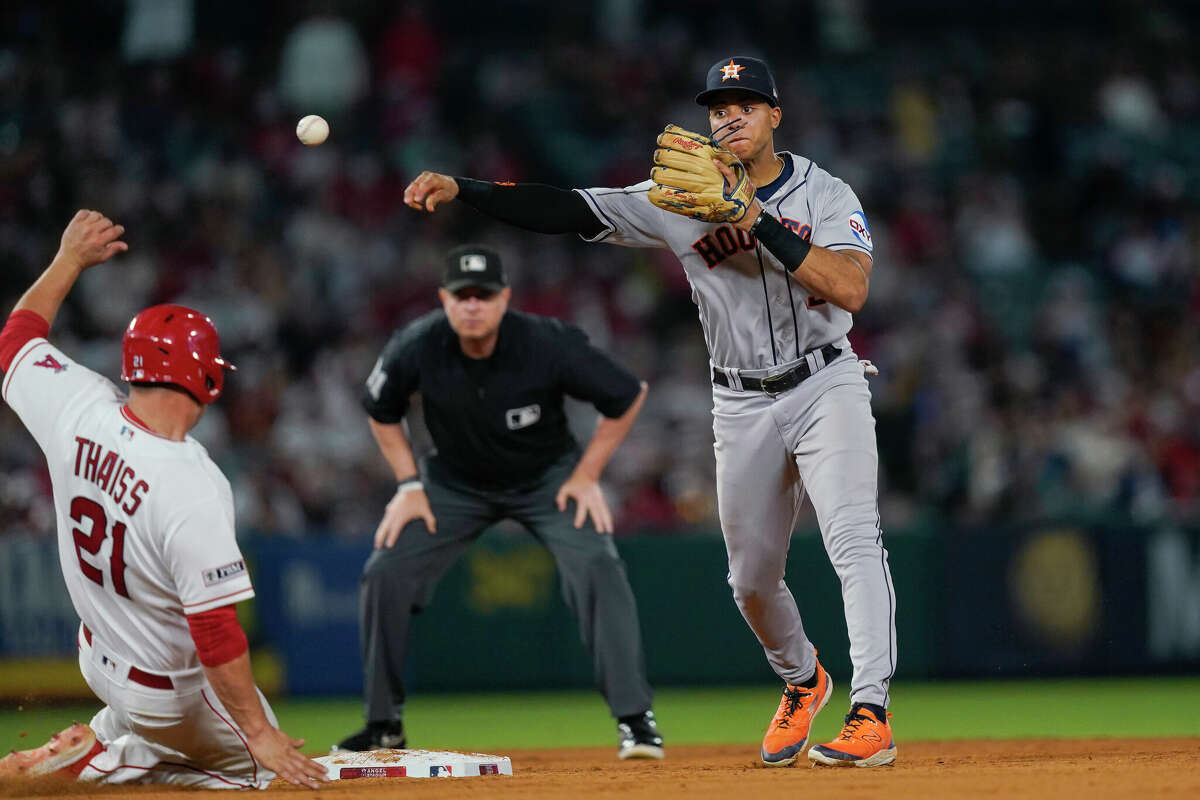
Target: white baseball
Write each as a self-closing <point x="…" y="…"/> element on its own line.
<point x="312" y="130"/>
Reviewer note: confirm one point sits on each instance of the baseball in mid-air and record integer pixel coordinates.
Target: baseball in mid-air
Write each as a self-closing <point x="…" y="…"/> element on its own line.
<point x="312" y="130"/>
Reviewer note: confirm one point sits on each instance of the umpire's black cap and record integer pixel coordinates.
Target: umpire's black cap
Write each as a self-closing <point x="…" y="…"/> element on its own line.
<point x="740" y="72"/>
<point x="473" y="265"/>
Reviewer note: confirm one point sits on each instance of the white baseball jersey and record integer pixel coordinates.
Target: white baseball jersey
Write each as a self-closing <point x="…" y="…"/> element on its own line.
<point x="754" y="314"/>
<point x="145" y="524"/>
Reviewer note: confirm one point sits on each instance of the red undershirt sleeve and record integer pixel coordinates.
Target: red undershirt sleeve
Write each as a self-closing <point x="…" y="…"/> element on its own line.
<point x="218" y="635"/>
<point x="21" y="327"/>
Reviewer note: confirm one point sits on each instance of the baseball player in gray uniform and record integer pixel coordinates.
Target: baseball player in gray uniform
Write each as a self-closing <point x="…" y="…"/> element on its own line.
<point x="776" y="274"/>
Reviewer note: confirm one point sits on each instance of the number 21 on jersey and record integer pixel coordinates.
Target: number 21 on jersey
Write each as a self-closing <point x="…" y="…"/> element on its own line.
<point x="84" y="508"/>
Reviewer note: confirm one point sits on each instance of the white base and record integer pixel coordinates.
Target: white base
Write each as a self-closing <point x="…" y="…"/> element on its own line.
<point x="413" y="764"/>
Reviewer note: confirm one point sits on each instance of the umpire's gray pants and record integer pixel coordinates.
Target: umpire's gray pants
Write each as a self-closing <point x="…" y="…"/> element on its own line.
<point x="400" y="580"/>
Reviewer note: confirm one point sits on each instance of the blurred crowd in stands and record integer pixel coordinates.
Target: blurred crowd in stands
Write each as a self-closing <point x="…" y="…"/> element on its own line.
<point x="1032" y="183"/>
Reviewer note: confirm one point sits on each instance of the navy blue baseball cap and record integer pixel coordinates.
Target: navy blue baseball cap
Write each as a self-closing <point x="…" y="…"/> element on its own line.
<point x="473" y="265"/>
<point x="740" y="72"/>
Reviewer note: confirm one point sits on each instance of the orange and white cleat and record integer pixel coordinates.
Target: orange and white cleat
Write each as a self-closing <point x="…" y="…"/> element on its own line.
<point x="788" y="731"/>
<point x="865" y="741"/>
<point x="67" y="753"/>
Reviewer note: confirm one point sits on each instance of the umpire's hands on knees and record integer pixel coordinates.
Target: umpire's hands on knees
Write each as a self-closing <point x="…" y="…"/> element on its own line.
<point x="585" y="491"/>
<point x="428" y="189"/>
<point x="402" y="509"/>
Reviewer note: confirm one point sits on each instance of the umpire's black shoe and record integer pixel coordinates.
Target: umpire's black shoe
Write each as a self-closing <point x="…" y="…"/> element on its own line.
<point x="639" y="737"/>
<point x="376" y="736"/>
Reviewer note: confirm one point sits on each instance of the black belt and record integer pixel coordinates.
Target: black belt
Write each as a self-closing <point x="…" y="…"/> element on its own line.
<point x="775" y="384"/>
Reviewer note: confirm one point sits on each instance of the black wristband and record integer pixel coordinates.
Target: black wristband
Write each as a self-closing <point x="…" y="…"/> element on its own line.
<point x="758" y="221"/>
<point x="400" y="484"/>
<point x="783" y="243"/>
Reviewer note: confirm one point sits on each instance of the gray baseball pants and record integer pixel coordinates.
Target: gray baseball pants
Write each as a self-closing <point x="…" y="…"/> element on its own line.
<point x="819" y="438"/>
<point x="400" y="580"/>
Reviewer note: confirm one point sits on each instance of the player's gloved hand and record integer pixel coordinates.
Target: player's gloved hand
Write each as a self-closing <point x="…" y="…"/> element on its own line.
<point x="405" y="506"/>
<point x="752" y="212"/>
<point x="276" y="751"/>
<point x="429" y="189"/>
<point x="688" y="182"/>
<point x="589" y="500"/>
<point x="90" y="238"/>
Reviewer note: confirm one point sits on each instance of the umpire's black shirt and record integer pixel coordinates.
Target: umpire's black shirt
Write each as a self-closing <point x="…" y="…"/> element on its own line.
<point x="497" y="422"/>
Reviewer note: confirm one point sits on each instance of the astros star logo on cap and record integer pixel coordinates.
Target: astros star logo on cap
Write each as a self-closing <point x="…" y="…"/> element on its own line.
<point x="731" y="70"/>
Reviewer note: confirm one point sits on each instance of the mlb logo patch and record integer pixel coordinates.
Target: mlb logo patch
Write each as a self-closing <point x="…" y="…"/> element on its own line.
<point x="473" y="262"/>
<point x="440" y="771"/>
<point x="517" y="418"/>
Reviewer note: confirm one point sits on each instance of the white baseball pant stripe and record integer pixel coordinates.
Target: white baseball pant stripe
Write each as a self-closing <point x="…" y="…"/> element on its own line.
<point x="817" y="438"/>
<point x="182" y="736"/>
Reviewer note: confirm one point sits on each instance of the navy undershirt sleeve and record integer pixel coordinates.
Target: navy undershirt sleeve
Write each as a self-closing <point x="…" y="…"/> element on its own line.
<point x="532" y="206"/>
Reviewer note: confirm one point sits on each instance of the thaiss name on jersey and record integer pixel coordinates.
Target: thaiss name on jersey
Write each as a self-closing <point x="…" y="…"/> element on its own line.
<point x="727" y="240"/>
<point x="110" y="472"/>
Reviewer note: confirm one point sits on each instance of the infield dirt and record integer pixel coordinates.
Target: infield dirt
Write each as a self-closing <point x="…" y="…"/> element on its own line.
<point x="1094" y="768"/>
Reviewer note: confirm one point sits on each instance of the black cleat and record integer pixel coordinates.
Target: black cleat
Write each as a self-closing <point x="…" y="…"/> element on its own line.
<point x="376" y="736"/>
<point x="639" y="737"/>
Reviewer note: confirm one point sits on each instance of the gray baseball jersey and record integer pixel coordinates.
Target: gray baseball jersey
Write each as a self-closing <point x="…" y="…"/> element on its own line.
<point x="754" y="315"/>
<point x="818" y="437"/>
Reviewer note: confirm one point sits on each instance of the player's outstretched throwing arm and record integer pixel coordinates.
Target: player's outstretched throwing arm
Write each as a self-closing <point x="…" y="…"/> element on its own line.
<point x="840" y="276"/>
<point x="532" y="206"/>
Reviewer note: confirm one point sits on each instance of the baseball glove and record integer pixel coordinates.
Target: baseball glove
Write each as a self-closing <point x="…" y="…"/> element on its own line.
<point x="687" y="182"/>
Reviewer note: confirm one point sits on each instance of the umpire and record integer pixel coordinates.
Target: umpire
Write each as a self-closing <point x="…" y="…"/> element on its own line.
<point x="492" y="383"/>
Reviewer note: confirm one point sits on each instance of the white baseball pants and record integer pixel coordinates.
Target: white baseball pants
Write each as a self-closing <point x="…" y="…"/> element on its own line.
<point x="181" y="736"/>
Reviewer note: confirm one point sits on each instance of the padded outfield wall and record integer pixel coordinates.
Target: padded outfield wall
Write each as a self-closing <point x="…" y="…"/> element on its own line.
<point x="1071" y="598"/>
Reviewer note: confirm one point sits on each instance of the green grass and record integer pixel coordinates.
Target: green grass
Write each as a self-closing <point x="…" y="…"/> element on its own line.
<point x="736" y="715"/>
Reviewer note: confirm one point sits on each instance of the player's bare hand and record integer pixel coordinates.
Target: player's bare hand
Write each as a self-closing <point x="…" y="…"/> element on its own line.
<point x="90" y="238"/>
<point x="589" y="501"/>
<point x="731" y="180"/>
<point x="278" y="752"/>
<point x="430" y="189"/>
<point x="402" y="509"/>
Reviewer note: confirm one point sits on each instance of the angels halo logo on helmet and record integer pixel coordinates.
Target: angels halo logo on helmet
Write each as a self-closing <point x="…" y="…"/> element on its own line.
<point x="177" y="345"/>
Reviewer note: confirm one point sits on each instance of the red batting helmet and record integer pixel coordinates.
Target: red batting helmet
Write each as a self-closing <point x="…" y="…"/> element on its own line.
<point x="174" y="344"/>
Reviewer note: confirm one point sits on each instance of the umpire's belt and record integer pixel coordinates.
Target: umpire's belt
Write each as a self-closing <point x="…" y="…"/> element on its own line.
<point x="775" y="384"/>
